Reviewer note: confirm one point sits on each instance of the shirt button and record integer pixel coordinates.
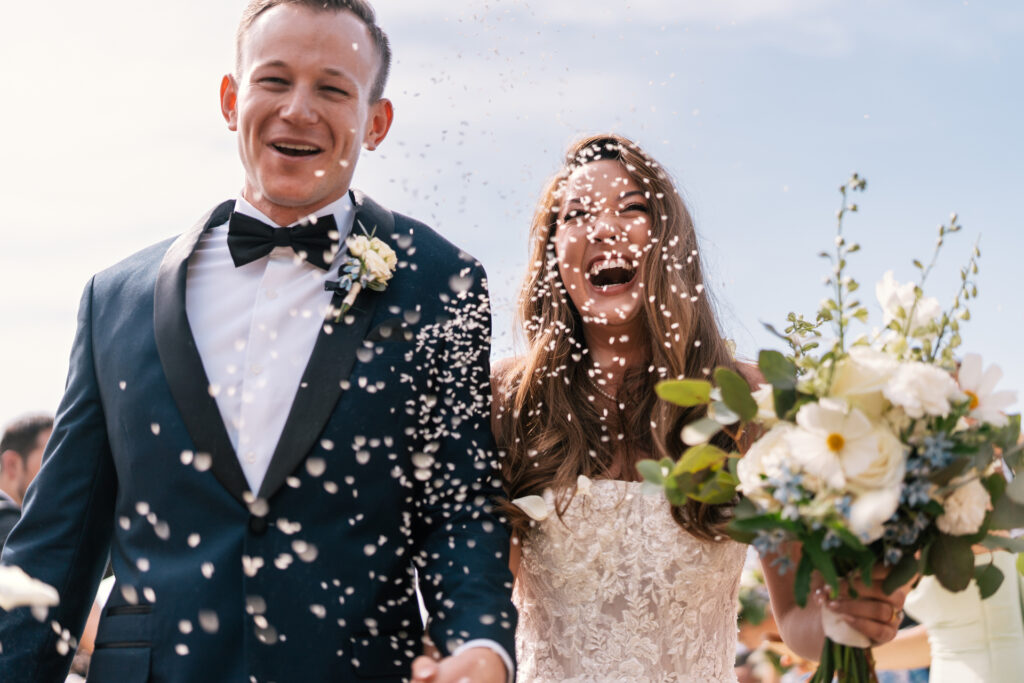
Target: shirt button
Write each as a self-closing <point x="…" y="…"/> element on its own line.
<point x="258" y="525"/>
<point x="255" y="369"/>
<point x="271" y="294"/>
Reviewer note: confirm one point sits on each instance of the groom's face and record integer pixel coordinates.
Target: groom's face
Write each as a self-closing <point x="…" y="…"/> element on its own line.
<point x="300" y="103"/>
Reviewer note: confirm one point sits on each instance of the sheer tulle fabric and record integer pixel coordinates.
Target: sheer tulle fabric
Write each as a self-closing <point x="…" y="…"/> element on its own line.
<point x="616" y="591"/>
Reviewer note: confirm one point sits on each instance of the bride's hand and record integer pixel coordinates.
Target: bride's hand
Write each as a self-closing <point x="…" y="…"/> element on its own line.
<point x="872" y="612"/>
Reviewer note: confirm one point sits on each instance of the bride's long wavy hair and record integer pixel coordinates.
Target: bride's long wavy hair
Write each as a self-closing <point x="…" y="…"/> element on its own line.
<point x="546" y="419"/>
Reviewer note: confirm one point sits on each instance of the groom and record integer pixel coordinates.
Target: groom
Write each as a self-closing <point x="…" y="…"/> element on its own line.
<point x="272" y="473"/>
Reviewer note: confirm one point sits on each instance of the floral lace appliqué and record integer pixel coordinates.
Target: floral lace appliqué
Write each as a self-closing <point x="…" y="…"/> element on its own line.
<point x="614" y="590"/>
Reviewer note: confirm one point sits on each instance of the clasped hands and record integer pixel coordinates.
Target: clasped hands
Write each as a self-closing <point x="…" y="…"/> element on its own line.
<point x="473" y="665"/>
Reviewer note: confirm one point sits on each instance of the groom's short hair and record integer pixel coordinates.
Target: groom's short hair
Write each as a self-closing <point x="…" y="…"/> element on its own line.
<point x="362" y="9"/>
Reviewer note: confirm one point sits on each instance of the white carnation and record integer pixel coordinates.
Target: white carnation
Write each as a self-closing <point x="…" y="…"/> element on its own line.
<point x="922" y="389"/>
<point x="965" y="509"/>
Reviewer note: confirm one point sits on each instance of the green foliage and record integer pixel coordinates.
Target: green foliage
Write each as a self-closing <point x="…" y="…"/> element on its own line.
<point x="654" y="471"/>
<point x="989" y="578"/>
<point x="903" y="572"/>
<point x="778" y="370"/>
<point x="736" y="393"/>
<point x="685" y="392"/>
<point x="952" y="561"/>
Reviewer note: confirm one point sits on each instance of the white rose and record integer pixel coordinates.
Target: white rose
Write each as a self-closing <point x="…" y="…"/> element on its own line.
<point x="764" y="396"/>
<point x="922" y="389"/>
<point x="898" y="300"/>
<point x="357" y="246"/>
<point x="965" y="509"/>
<point x="871" y="510"/>
<point x="766" y="458"/>
<point x="376" y="266"/>
<point x="385" y="252"/>
<point x="883" y="471"/>
<point x="861" y="377"/>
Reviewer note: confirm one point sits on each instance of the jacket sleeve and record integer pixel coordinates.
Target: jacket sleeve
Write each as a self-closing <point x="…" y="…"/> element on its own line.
<point x="63" y="537"/>
<point x="463" y="549"/>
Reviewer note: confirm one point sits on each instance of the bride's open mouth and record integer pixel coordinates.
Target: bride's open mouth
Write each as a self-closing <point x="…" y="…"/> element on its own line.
<point x="609" y="274"/>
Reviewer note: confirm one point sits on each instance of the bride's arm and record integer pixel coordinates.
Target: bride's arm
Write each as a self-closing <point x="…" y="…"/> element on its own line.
<point x="873" y="613"/>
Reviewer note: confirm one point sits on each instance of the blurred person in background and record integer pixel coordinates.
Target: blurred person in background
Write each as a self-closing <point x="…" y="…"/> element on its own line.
<point x="21" y="453"/>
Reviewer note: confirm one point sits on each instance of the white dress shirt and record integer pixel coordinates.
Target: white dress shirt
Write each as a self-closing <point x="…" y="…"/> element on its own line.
<point x="255" y="327"/>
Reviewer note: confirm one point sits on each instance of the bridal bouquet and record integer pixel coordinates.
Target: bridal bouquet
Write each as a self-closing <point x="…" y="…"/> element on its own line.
<point x="888" y="448"/>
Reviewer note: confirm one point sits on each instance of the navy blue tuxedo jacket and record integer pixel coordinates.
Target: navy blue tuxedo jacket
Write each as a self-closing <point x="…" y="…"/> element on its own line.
<point x="384" y="470"/>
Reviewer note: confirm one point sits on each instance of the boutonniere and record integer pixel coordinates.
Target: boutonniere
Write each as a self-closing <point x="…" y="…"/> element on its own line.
<point x="371" y="263"/>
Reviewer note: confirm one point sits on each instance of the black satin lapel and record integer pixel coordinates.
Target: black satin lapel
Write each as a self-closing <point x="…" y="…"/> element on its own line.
<point x="182" y="365"/>
<point x="331" y="362"/>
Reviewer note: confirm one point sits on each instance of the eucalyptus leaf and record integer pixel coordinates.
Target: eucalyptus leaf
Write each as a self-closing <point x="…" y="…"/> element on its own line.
<point x="700" y="432"/>
<point x="952" y="560"/>
<point x="989" y="578"/>
<point x="784" y="400"/>
<point x="1020" y="564"/>
<point x="701" y="457"/>
<point x="778" y="371"/>
<point x="651" y="470"/>
<point x="822" y="561"/>
<point x="903" y="572"/>
<point x="736" y="393"/>
<point x="685" y="392"/>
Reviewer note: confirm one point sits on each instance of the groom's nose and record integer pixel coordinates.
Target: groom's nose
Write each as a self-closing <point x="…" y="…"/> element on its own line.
<point x="298" y="107"/>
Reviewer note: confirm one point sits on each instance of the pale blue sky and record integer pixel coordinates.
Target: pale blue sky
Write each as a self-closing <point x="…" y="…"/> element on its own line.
<point x="760" y="108"/>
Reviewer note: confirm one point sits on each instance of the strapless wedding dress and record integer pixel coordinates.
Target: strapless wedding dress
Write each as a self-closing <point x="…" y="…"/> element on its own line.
<point x="615" y="590"/>
<point x="973" y="640"/>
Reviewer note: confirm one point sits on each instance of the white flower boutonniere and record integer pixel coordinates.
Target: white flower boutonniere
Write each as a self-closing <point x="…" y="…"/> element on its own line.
<point x="371" y="263"/>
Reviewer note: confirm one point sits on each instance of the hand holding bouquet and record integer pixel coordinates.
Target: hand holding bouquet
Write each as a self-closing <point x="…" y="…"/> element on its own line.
<point x="880" y="450"/>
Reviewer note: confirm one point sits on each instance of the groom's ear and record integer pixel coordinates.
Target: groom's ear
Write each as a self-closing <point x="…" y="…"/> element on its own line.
<point x="382" y="113"/>
<point x="229" y="101"/>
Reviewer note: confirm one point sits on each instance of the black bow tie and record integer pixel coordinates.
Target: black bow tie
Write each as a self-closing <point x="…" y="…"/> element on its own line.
<point x="250" y="239"/>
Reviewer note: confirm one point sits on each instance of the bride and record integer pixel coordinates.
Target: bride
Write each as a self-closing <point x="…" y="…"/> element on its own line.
<point x="612" y="584"/>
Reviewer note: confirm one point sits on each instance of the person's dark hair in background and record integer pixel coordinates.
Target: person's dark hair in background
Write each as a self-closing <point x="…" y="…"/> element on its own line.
<point x="21" y="453"/>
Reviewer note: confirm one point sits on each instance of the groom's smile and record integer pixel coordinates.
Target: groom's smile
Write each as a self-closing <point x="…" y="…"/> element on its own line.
<point x="300" y="101"/>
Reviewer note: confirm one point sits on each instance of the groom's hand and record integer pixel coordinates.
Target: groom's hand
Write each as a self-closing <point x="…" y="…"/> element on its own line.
<point x="475" y="665"/>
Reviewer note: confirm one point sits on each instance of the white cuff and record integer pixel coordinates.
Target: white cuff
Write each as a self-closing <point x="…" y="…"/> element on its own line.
<point x="493" y="646"/>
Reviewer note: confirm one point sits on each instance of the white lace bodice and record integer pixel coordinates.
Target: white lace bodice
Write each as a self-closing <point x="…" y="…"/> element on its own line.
<point x="616" y="591"/>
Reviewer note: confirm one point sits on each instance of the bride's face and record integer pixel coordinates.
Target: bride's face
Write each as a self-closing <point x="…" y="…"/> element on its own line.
<point x="603" y="232"/>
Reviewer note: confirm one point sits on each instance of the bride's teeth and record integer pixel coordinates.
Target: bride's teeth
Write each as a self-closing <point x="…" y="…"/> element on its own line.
<point x="611" y="263"/>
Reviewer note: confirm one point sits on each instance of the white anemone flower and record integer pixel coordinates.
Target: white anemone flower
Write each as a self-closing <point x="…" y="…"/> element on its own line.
<point x="987" y="406"/>
<point x="831" y="436"/>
